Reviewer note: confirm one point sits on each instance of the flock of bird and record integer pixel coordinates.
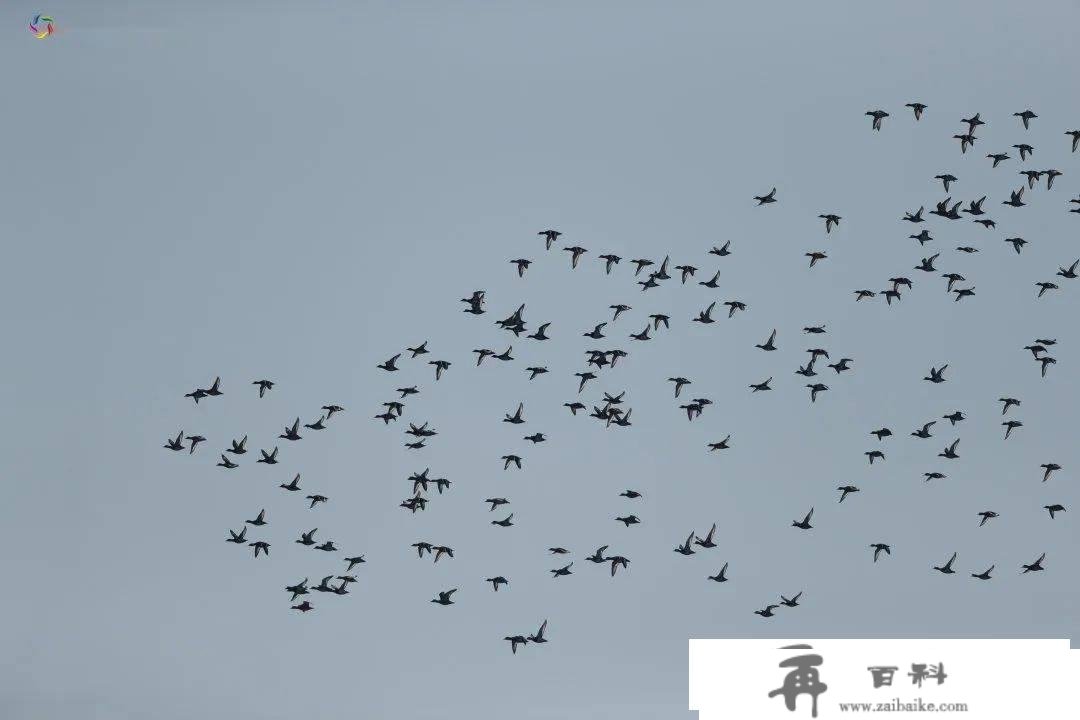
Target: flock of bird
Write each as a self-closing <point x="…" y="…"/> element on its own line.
<point x="608" y="408"/>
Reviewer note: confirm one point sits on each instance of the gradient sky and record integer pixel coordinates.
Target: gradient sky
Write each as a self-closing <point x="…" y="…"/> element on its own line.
<point x="300" y="190"/>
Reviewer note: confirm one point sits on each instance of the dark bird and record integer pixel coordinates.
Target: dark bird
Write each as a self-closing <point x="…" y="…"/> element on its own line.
<point x="1011" y="425"/>
<point x="841" y="365"/>
<point x="1075" y="134"/>
<point x="291" y="433"/>
<point x="260" y="545"/>
<point x="831" y="221"/>
<point x="946" y="180"/>
<point x="766" y="199"/>
<point x="354" y="561"/>
<point x="878" y="116"/>
<point x="316" y="499"/>
<point x="595" y="334"/>
<point x="264" y="385"/>
<point x="259" y="520"/>
<point x="564" y="570"/>
<point x="1053" y="509"/>
<point x="707" y="541"/>
<point x="950" y="451"/>
<point x="997" y="158"/>
<point x="720" y="576"/>
<point x="497" y="581"/>
<point x="516" y="418"/>
<point x="575" y="254"/>
<point x="618" y="561"/>
<point x="298" y="589"/>
<point x="194" y="440"/>
<point x="767" y="612"/>
<point x="882" y="433"/>
<point x="1025" y="150"/>
<point x="879" y="548"/>
<point x="947" y="567"/>
<point x="238" y="538"/>
<point x="505" y="522"/>
<point x="1008" y="403"/>
<point x="540" y="333"/>
<point x="1032" y="176"/>
<point x="985" y="574"/>
<point x="792" y="601"/>
<point x="986" y="515"/>
<point x="227" y="463"/>
<point x="815" y="389"/>
<point x="304" y="606"/>
<point x="515" y="640"/>
<point x="630" y="494"/>
<point x="585" y="377"/>
<point x="550" y="236"/>
<point x="1035" y="566"/>
<point x="722" y="445"/>
<point x="923" y="237"/>
<point x="966" y="140"/>
<point x="846" y="490"/>
<point x="918" y="108"/>
<point x="1069" y="273"/>
<point x="628" y="520"/>
<point x="177" y="443"/>
<point x="444" y="597"/>
<point x="724" y="250"/>
<point x="507" y="459"/>
<point x="522" y="265"/>
<point x="1025" y="117"/>
<point x="761" y="386"/>
<point x="915" y="217"/>
<point x="440" y="367"/>
<point x="954" y="417"/>
<point x="804" y="524"/>
<point x="539" y="636"/>
<point x="420" y="349"/>
<point x="937" y="375"/>
<point x="1049" y="468"/>
<point x="197" y="394"/>
<point x="390" y="365"/>
<point x="292" y="486"/>
<point x="925" y="431"/>
<point x="609" y="262"/>
<point x="1043" y="288"/>
<point x="1017" y="243"/>
<point x="712" y="282"/>
<point x="871" y="454"/>
<point x="1015" y="198"/>
<point x="685" y="548"/>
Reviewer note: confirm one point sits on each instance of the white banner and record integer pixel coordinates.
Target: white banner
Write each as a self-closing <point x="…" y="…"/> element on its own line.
<point x="829" y="679"/>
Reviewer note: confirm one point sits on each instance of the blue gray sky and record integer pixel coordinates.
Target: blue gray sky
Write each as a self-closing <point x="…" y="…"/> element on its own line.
<point x="298" y="191"/>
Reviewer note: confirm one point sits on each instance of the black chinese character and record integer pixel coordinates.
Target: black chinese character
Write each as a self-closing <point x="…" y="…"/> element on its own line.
<point x="802" y="680"/>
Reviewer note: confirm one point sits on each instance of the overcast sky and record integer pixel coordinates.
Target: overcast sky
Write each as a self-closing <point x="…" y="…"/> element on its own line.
<point x="298" y="191"/>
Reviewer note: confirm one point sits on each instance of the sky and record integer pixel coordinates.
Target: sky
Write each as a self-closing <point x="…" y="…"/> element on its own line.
<point x="298" y="191"/>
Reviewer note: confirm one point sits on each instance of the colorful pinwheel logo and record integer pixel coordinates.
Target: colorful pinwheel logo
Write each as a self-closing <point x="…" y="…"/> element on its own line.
<point x="41" y="26"/>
